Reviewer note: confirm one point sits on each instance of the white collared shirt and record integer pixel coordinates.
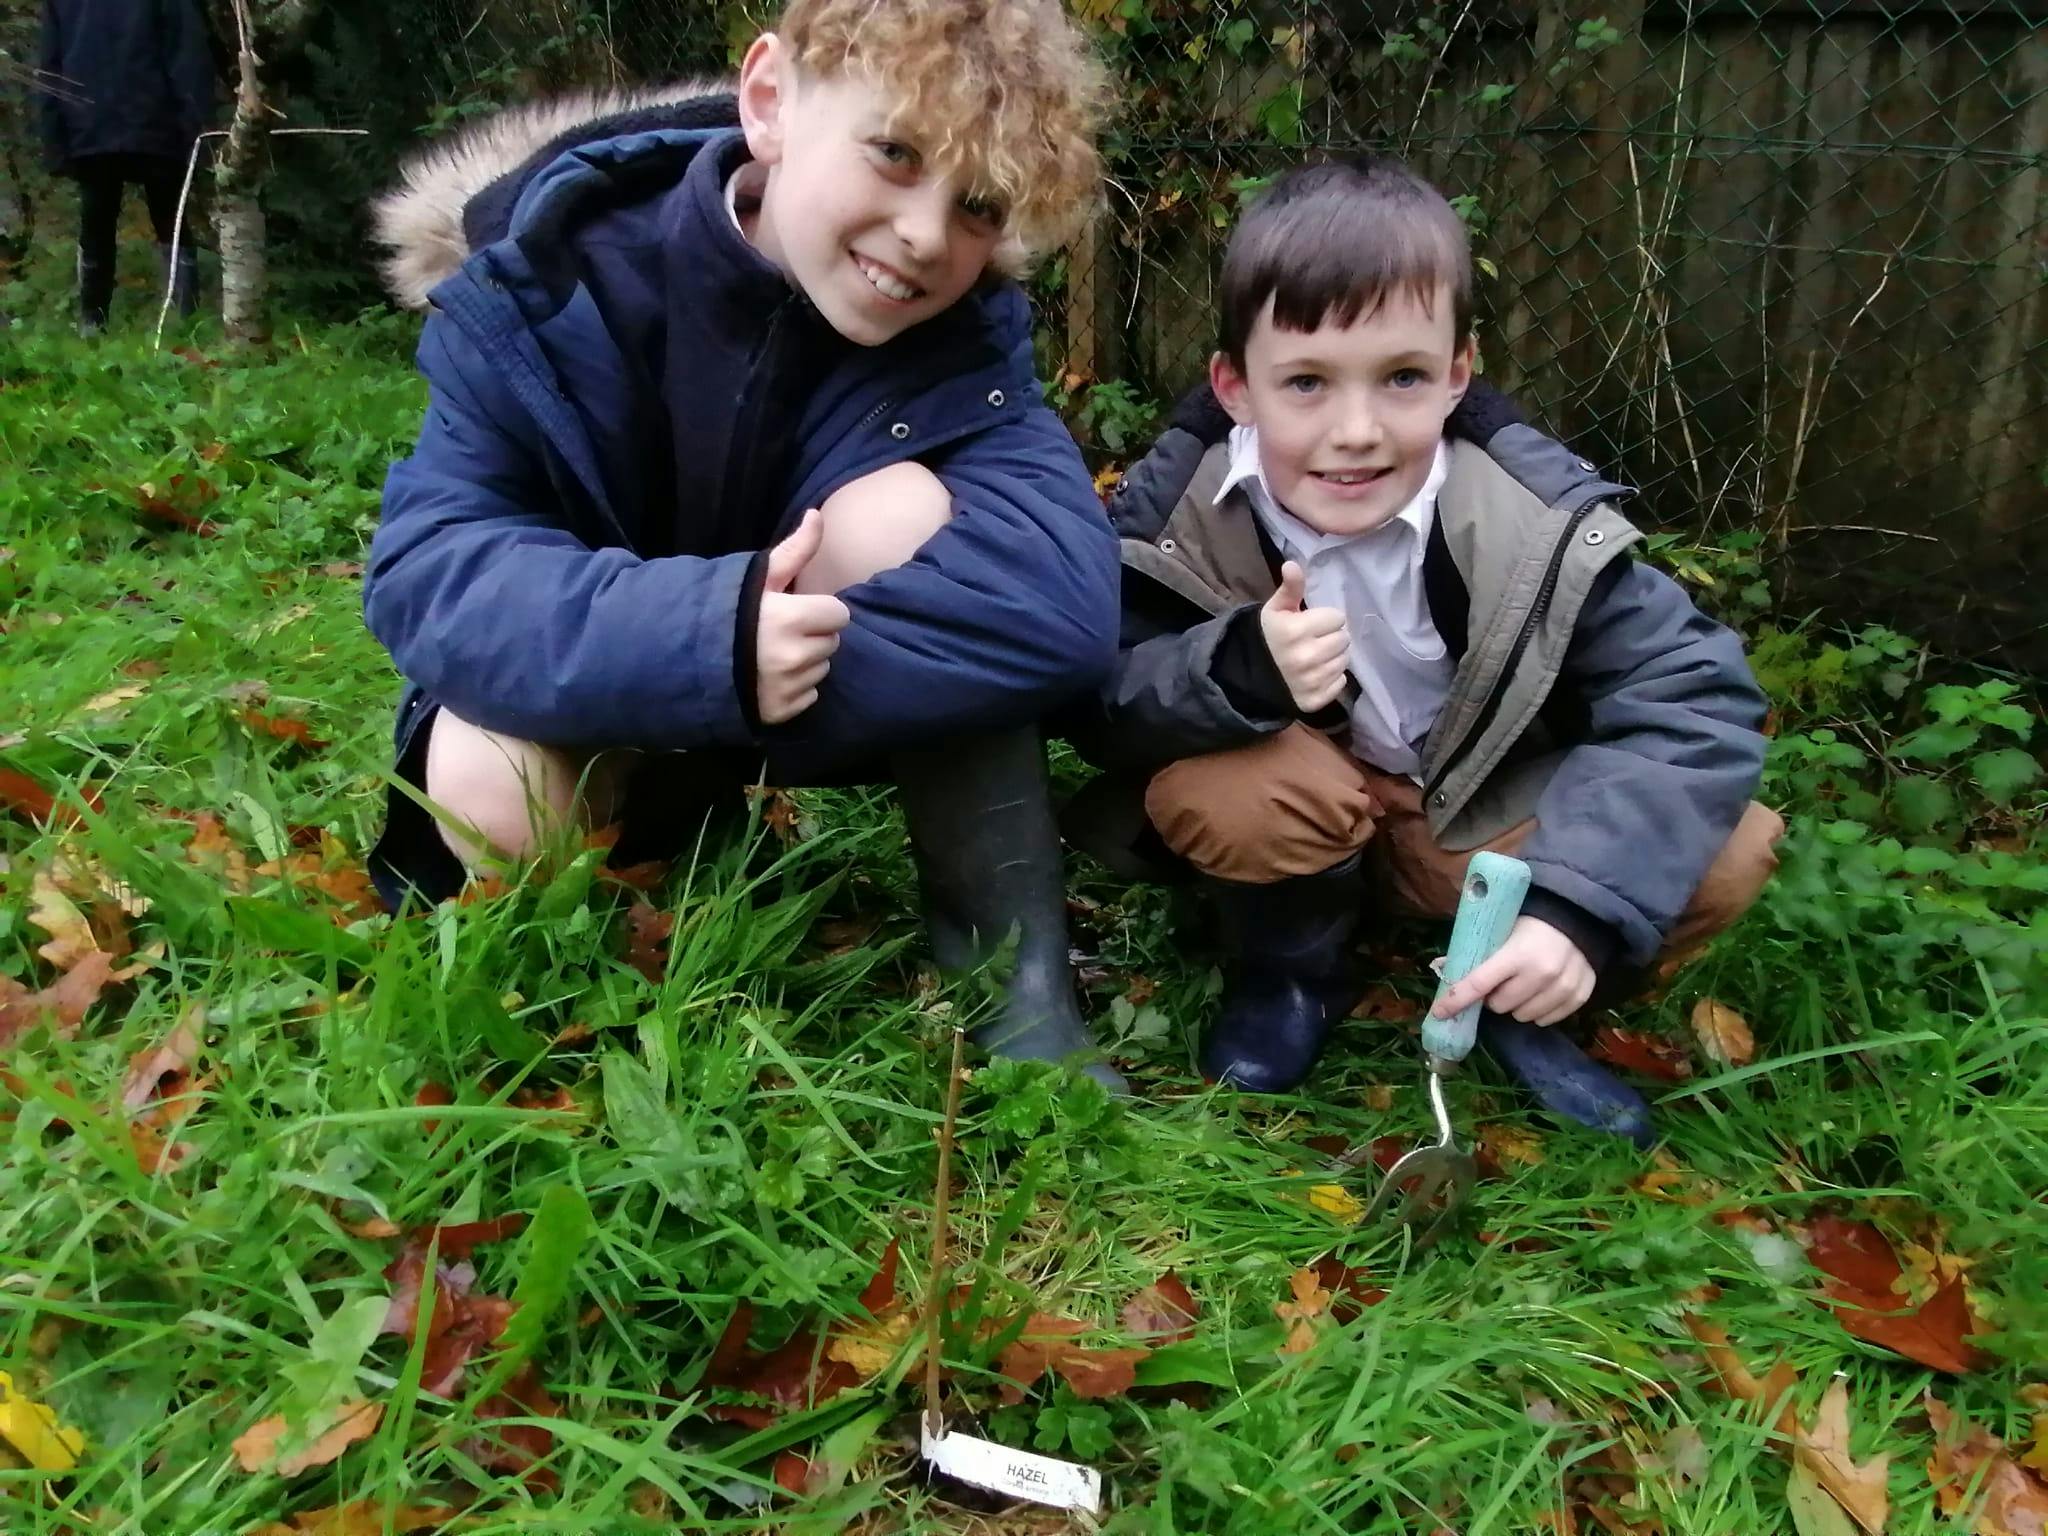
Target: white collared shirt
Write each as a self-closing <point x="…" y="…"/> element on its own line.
<point x="1398" y="659"/>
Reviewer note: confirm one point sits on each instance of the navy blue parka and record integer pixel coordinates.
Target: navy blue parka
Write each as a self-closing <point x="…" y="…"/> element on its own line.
<point x="542" y="573"/>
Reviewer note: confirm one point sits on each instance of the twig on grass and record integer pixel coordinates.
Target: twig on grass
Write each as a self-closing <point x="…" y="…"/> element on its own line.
<point x="942" y="1201"/>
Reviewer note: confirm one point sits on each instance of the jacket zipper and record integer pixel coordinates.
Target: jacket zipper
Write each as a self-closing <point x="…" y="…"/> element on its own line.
<point x="1507" y="673"/>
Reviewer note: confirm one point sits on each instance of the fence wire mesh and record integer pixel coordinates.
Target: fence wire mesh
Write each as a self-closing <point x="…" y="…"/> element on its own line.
<point x="1783" y="264"/>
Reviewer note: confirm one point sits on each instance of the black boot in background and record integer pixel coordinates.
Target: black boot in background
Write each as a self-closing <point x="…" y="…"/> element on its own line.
<point x="95" y="292"/>
<point x="979" y="810"/>
<point x="1288" y="976"/>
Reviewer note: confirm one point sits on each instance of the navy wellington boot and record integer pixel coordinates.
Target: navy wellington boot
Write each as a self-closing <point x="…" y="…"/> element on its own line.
<point x="987" y="849"/>
<point x="1289" y="976"/>
<point x="1564" y="1079"/>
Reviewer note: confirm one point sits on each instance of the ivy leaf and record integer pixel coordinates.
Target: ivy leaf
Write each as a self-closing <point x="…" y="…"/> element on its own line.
<point x="2004" y="773"/>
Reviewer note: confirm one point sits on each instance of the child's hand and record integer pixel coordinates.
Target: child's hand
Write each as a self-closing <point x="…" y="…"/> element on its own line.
<point x="1538" y="976"/>
<point x="797" y="634"/>
<point x="1308" y="645"/>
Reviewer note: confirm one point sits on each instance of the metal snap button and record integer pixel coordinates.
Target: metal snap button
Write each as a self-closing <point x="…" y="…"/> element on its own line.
<point x="1586" y="465"/>
<point x="1595" y="536"/>
<point x="1167" y="546"/>
<point x="995" y="397"/>
<point x="1441" y="799"/>
<point x="900" y="431"/>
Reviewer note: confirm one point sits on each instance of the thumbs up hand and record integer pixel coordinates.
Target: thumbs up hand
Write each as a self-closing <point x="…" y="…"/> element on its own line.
<point x="797" y="633"/>
<point x="1309" y="645"/>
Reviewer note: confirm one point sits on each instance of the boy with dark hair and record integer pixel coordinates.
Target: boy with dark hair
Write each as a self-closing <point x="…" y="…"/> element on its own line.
<point x="734" y="454"/>
<point x="1372" y="624"/>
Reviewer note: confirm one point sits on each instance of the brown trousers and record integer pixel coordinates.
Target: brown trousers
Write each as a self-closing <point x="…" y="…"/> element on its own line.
<point x="1295" y="803"/>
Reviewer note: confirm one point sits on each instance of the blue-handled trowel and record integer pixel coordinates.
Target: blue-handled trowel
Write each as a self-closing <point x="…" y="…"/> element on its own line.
<point x="1427" y="1184"/>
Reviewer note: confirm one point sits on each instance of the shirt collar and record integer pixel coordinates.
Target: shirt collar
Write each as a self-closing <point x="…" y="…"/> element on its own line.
<point x="1246" y="470"/>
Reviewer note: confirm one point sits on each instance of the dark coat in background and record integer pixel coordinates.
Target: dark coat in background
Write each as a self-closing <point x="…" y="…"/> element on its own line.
<point x="123" y="77"/>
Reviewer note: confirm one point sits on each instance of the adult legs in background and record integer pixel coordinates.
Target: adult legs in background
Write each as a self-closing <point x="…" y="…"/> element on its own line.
<point x="162" y="179"/>
<point x="99" y="216"/>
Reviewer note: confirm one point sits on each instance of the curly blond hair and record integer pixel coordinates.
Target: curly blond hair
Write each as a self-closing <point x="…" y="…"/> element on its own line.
<point x="1007" y="93"/>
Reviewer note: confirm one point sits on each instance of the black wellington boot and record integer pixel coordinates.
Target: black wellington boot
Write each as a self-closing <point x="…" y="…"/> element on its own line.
<point x="1289" y="977"/>
<point x="95" y="293"/>
<point x="979" y="810"/>
<point x="1564" y="1079"/>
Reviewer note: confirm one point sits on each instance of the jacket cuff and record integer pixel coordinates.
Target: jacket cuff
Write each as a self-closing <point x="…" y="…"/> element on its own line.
<point x="1598" y="941"/>
<point x="746" y="631"/>
<point x="1242" y="666"/>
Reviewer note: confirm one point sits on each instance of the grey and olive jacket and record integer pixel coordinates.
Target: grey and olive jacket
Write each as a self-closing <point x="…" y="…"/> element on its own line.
<point x="1589" y="693"/>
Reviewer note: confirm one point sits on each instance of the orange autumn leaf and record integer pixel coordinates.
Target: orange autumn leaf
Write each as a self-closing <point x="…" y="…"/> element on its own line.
<point x="1865" y="1287"/>
<point x="1511" y="1144"/>
<point x="1651" y="1055"/>
<point x="63" y="1004"/>
<point x="212" y="848"/>
<point x="169" y="1061"/>
<point x="71" y="936"/>
<point x="346" y="885"/>
<point x="648" y="930"/>
<point x="359" y="1517"/>
<point x="257" y="1448"/>
<point x="28" y="799"/>
<point x="1823" y="1450"/>
<point x="283" y="728"/>
<point x="1048" y="1343"/>
<point x="1308" y="1302"/>
<point x="1163" y="1312"/>
<point x="1723" y="1033"/>
<point x="1386" y="1005"/>
<point x="2011" y="1499"/>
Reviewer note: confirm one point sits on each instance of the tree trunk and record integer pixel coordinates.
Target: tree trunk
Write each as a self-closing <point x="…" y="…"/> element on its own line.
<point x="237" y="214"/>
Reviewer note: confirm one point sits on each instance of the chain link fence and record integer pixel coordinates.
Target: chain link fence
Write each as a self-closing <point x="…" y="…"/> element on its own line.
<point x="1783" y="264"/>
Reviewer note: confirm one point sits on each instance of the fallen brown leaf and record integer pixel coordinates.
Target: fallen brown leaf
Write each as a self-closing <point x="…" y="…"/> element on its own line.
<point x="328" y="871"/>
<point x="1164" y="1312"/>
<point x="64" y="1003"/>
<point x="1048" y="1343"/>
<point x="1511" y="1143"/>
<point x="1308" y="1301"/>
<point x="648" y="930"/>
<point x="780" y="812"/>
<point x="462" y="1325"/>
<point x="517" y="1448"/>
<point x="71" y="936"/>
<point x="283" y="728"/>
<point x="1865" y="1288"/>
<point x="2011" y="1500"/>
<point x="1651" y="1055"/>
<point x="1823" y="1451"/>
<point x="211" y="848"/>
<point x="113" y="698"/>
<point x="256" y="1448"/>
<point x="170" y="1061"/>
<point x="1386" y="1005"/>
<point x="26" y="798"/>
<point x="359" y="1517"/>
<point x="1723" y="1034"/>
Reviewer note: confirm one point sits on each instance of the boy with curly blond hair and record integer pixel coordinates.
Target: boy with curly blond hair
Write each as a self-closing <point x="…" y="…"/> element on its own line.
<point x="734" y="457"/>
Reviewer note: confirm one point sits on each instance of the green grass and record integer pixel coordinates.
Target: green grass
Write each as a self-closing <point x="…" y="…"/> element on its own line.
<point x="761" y="1124"/>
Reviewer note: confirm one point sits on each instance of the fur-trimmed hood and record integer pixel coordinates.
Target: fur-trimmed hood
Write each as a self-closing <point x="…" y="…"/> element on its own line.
<point x="427" y="222"/>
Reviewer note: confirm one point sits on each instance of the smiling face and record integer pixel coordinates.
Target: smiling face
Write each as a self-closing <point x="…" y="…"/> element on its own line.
<point x="876" y="236"/>
<point x="1349" y="416"/>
